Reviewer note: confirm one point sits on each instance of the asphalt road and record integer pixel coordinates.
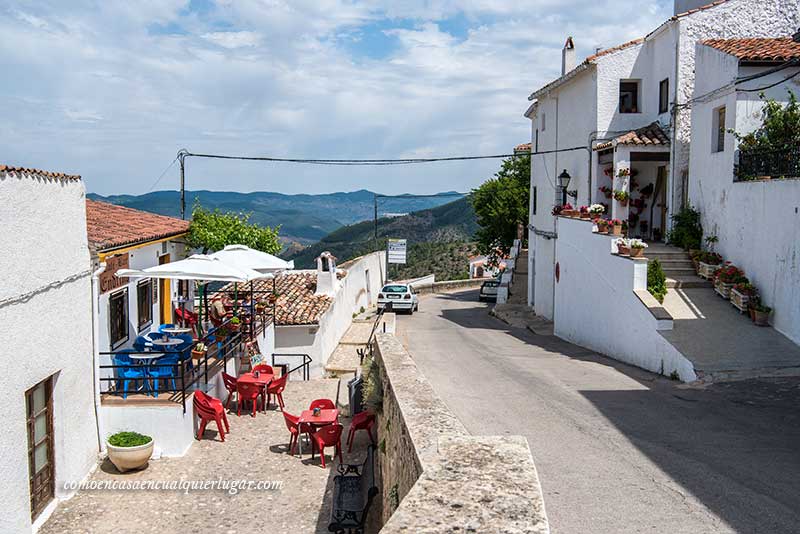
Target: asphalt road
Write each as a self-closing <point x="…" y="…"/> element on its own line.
<point x="618" y="450"/>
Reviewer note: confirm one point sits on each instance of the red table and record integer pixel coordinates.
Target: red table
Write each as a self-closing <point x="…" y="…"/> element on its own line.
<point x="325" y="417"/>
<point x="263" y="380"/>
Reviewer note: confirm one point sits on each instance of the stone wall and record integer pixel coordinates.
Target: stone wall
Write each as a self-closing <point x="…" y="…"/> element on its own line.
<point x="448" y="285"/>
<point x="433" y="476"/>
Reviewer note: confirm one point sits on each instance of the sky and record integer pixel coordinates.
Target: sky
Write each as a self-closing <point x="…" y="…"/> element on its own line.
<point x="111" y="90"/>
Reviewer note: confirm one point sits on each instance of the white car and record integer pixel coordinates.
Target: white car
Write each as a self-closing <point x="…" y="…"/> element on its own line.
<point x="394" y="297"/>
<point x="489" y="290"/>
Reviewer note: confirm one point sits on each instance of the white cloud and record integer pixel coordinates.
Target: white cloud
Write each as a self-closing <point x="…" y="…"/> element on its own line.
<point x="113" y="92"/>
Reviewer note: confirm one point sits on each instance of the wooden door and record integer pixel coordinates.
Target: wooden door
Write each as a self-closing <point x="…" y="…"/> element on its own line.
<point x="41" y="471"/>
<point x="165" y="292"/>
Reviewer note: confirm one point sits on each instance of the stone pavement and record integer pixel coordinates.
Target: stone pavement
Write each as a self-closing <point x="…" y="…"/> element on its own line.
<point x="256" y="449"/>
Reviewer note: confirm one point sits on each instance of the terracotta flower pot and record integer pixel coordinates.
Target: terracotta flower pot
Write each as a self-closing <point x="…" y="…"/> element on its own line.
<point x="584" y="215"/>
<point x="637" y="252"/>
<point x="602" y="229"/>
<point x="130" y="458"/>
<point x="594" y="216"/>
<point x="752" y="314"/>
<point x="616" y="229"/>
<point x="760" y="318"/>
<point x="623" y="251"/>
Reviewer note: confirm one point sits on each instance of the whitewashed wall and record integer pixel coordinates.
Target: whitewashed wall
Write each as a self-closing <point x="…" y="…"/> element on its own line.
<point x="757" y="223"/>
<point x="49" y="333"/>
<point x="596" y="307"/>
<point x="359" y="288"/>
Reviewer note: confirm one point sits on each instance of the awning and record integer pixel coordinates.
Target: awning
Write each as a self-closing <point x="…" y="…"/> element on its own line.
<point x="651" y="135"/>
<point x="196" y="267"/>
<point x="248" y="258"/>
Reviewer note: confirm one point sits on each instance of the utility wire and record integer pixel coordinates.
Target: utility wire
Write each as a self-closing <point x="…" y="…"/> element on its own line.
<point x="162" y="174"/>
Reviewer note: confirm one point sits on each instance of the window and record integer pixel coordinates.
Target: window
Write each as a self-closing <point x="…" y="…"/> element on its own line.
<point x="544" y="121"/>
<point x="536" y="141"/>
<point x="629" y="96"/>
<point x="39" y="413"/>
<point x="718" y="131"/>
<point x="534" y="200"/>
<point x="144" y="303"/>
<point x="118" y="317"/>
<point x="663" y="96"/>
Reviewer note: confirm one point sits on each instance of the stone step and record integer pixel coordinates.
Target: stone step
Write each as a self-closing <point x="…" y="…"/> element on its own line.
<point x="683" y="281"/>
<point x="667" y="256"/>
<point x="680" y="272"/>
<point x="675" y="264"/>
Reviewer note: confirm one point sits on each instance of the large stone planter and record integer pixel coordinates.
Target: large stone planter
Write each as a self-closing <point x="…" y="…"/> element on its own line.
<point x="130" y="458"/>
<point x="740" y="301"/>
<point x="706" y="270"/>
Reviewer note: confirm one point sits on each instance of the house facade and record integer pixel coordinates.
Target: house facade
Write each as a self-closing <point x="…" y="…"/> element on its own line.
<point x="619" y="121"/>
<point x="50" y="434"/>
<point x="753" y="214"/>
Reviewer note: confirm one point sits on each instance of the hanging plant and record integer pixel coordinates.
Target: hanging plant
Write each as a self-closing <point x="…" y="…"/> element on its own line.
<point x="623" y="172"/>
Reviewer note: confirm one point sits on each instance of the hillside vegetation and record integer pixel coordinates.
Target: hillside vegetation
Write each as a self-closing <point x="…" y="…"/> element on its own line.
<point x="438" y="238"/>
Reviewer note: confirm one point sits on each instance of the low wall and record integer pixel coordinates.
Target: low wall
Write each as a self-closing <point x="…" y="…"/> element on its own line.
<point x="434" y="477"/>
<point x="448" y="285"/>
<point x="601" y="303"/>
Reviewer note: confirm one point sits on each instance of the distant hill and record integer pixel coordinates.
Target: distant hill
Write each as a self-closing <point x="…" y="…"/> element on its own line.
<point x="303" y="218"/>
<point x="438" y="241"/>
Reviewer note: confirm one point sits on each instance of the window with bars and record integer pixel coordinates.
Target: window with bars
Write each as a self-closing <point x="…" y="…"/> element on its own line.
<point x="718" y="140"/>
<point x="144" y="303"/>
<point x="118" y="317"/>
<point x="629" y="96"/>
<point x="663" y="96"/>
<point x="41" y="471"/>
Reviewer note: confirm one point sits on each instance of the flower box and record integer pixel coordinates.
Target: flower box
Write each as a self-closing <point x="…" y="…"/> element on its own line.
<point x="615" y="229"/>
<point x="739" y="300"/>
<point x="723" y="289"/>
<point x="622" y="250"/>
<point x="706" y="270"/>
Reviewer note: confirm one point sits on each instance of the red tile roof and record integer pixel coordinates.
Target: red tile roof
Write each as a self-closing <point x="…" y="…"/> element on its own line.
<point x="524" y="147"/>
<point x="613" y="49"/>
<point x="650" y="135"/>
<point x="758" y="49"/>
<point x="39" y="172"/>
<point x="297" y="304"/>
<point x="701" y="8"/>
<point x="110" y="226"/>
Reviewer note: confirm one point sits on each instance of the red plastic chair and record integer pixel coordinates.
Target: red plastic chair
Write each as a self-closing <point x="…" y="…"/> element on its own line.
<point x="247" y="392"/>
<point x="230" y="385"/>
<point x="361" y="421"/>
<point x="322" y="404"/>
<point x="276" y="388"/>
<point x="295" y="429"/>
<point x="263" y="368"/>
<point x="327" y="436"/>
<point x="208" y="409"/>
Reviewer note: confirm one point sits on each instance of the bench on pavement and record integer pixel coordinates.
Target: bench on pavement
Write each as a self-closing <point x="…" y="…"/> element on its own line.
<point x="353" y="492"/>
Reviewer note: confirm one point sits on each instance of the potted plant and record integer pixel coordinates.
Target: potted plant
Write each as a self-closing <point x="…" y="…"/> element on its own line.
<point x="623" y="247"/>
<point x="606" y="191"/>
<point x="621" y="196"/>
<point x="129" y="450"/>
<point x="602" y="226"/>
<point x="584" y="211"/>
<point x="615" y="227"/>
<point x="708" y="262"/>
<point x="741" y="294"/>
<point x="273" y="297"/>
<point x="234" y="324"/>
<point x="625" y="226"/>
<point x="261" y="306"/>
<point x="726" y="277"/>
<point x="761" y="314"/>
<point x="568" y="211"/>
<point x="596" y="210"/>
<point x="556" y="211"/>
<point x="637" y="247"/>
<point x="623" y="172"/>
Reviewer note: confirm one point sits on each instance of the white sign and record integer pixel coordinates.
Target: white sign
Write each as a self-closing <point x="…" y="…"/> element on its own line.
<point x="396" y="251"/>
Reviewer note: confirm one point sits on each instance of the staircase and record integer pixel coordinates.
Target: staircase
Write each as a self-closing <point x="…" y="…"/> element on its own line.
<point x="518" y="293"/>
<point x="677" y="266"/>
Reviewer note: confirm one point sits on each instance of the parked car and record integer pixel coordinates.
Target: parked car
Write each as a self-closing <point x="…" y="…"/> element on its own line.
<point x="398" y="297"/>
<point x="489" y="290"/>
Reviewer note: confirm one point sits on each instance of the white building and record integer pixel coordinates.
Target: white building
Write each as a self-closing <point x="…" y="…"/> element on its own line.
<point x="50" y="433"/>
<point x="624" y="108"/>
<point x="756" y="221"/>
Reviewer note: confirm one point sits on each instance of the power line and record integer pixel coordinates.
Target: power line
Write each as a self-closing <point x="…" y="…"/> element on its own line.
<point x="162" y="174"/>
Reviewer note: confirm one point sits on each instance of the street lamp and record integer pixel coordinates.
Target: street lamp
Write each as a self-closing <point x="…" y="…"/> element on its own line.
<point x="563" y="182"/>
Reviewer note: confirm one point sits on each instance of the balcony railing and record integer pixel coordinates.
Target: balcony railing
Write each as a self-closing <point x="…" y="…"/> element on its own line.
<point x="768" y="165"/>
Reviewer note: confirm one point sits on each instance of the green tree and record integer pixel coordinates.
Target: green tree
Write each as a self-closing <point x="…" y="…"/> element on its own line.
<point x="213" y="230"/>
<point x="501" y="203"/>
<point x="780" y="128"/>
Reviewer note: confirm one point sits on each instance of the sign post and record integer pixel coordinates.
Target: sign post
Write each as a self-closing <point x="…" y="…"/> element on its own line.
<point x="395" y="253"/>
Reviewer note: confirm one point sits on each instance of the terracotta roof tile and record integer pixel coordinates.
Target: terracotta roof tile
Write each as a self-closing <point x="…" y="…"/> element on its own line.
<point x="111" y="226"/>
<point x="701" y="8"/>
<point x="524" y="147"/>
<point x="297" y="304"/>
<point x="650" y="135"/>
<point x="38" y="172"/>
<point x="613" y="49"/>
<point x="758" y="49"/>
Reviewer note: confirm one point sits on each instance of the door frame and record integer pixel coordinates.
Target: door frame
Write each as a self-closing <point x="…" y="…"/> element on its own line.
<point x="165" y="292"/>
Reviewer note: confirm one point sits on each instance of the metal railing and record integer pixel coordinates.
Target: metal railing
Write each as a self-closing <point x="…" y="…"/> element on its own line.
<point x="767" y="164"/>
<point x="305" y="366"/>
<point x="184" y="378"/>
<point x="370" y="340"/>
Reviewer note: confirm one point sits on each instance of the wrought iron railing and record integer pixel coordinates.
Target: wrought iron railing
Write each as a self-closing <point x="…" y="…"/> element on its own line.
<point x="305" y="366"/>
<point x="768" y="165"/>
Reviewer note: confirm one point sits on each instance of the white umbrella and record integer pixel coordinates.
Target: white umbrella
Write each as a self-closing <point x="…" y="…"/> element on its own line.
<point x="197" y="267"/>
<point x="248" y="258"/>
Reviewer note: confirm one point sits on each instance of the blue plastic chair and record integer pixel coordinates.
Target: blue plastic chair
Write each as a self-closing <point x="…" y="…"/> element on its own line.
<point x="163" y="326"/>
<point x="142" y="343"/>
<point x="163" y="368"/>
<point x="132" y="371"/>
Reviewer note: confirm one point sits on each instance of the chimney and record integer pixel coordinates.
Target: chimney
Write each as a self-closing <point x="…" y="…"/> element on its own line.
<point x="326" y="274"/>
<point x="568" y="56"/>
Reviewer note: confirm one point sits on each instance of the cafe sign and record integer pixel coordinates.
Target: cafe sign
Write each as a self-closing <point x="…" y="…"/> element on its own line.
<point x="108" y="280"/>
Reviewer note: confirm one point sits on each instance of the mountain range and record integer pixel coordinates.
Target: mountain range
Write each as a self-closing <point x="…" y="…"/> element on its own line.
<point x="303" y="219"/>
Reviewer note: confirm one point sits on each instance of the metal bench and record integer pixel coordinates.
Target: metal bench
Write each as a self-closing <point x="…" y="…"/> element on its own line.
<point x="353" y="491"/>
